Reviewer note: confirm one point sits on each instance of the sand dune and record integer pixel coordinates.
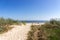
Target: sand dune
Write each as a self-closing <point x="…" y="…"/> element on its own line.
<point x="17" y="33"/>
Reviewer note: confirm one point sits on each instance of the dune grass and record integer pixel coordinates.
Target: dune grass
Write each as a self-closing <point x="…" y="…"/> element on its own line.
<point x="5" y="23"/>
<point x="48" y="31"/>
<point x="4" y="29"/>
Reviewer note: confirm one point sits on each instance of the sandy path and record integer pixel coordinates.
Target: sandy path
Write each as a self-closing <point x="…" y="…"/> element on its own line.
<point x="17" y="33"/>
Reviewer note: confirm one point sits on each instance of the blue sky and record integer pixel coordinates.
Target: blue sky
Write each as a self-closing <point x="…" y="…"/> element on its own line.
<point x="30" y="9"/>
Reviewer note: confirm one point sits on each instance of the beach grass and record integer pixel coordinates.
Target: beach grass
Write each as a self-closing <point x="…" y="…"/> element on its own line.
<point x="48" y="31"/>
<point x="5" y="23"/>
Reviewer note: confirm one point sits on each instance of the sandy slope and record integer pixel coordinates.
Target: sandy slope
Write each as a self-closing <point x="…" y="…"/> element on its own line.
<point x="17" y="33"/>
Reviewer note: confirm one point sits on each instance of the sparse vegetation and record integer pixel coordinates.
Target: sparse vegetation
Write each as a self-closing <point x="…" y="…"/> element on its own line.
<point x="4" y="29"/>
<point x="24" y="23"/>
<point x="48" y="31"/>
<point x="5" y="23"/>
<point x="8" y="21"/>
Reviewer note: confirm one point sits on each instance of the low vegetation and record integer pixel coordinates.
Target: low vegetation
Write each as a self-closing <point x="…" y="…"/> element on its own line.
<point x="5" y="23"/>
<point x="4" y="29"/>
<point x="48" y="31"/>
<point x="24" y="23"/>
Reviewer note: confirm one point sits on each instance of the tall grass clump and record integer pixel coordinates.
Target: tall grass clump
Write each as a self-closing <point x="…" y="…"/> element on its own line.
<point x="5" y="23"/>
<point x="36" y="33"/>
<point x="23" y="22"/>
<point x="48" y="31"/>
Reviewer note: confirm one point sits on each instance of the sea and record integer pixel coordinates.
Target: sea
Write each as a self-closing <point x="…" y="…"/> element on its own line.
<point x="34" y="21"/>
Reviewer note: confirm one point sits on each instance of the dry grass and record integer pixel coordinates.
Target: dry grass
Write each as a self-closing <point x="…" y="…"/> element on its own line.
<point x="5" y="29"/>
<point x="47" y="31"/>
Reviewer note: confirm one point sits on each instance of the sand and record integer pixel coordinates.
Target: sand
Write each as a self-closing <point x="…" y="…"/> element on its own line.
<point x="17" y="33"/>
